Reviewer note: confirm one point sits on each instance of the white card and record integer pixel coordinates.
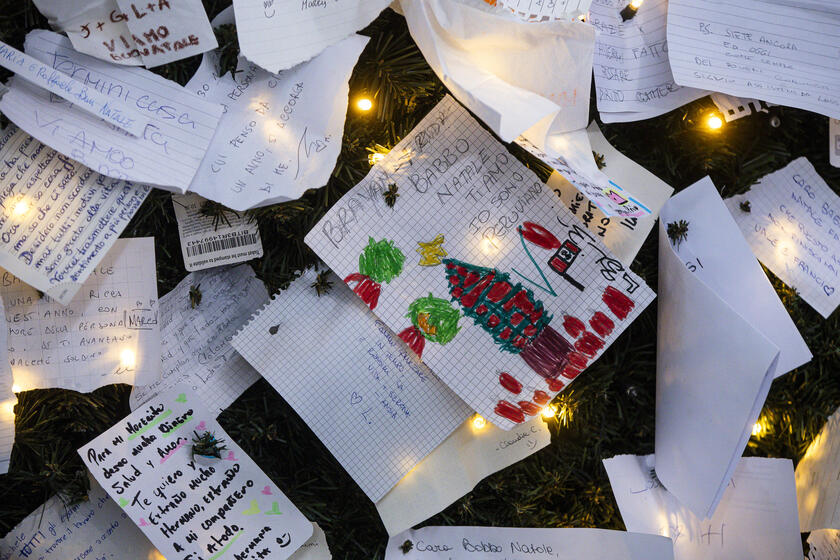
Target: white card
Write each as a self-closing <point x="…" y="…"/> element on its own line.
<point x="44" y="197"/>
<point x="825" y="544"/>
<point x="749" y="48"/>
<point x="723" y="335"/>
<point x="632" y="74"/>
<point x="281" y="133"/>
<point x="623" y="236"/>
<point x="277" y="35"/>
<point x="755" y="519"/>
<point x="816" y="482"/>
<point x="171" y="146"/>
<point x="506" y="71"/>
<point x="195" y="341"/>
<point x="190" y="506"/>
<point x="92" y="529"/>
<point x="733" y="108"/>
<point x="125" y="32"/>
<point x="508" y="543"/>
<point x="834" y="142"/>
<point x="453" y="469"/>
<point x="315" y="548"/>
<point x="793" y="227"/>
<point x="542" y="10"/>
<point x="386" y="409"/>
<point x="207" y="242"/>
<point x="470" y="234"/>
<point x="108" y="333"/>
<point x="8" y="399"/>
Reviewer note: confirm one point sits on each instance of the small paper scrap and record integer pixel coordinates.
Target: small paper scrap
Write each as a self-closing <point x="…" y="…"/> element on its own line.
<point x="817" y="485"/>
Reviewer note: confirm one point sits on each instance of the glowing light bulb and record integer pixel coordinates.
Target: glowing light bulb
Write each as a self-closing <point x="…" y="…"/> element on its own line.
<point x="582" y="17"/>
<point x="21" y="208"/>
<point x="636" y="4"/>
<point x="714" y="122"/>
<point x="375" y="158"/>
<point x="128" y="359"/>
<point x="757" y="429"/>
<point x="489" y="246"/>
<point x="479" y="422"/>
<point x="16" y="388"/>
<point x="9" y="407"/>
<point x="549" y="411"/>
<point x="364" y="104"/>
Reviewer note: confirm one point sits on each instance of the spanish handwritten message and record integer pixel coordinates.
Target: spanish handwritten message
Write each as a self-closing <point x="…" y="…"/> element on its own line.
<point x="169" y="148"/>
<point x="191" y="506"/>
<point x="57" y="217"/>
<point x="791" y="219"/>
<point x="108" y="333"/>
<point x="132" y="32"/>
<point x="387" y="409"/>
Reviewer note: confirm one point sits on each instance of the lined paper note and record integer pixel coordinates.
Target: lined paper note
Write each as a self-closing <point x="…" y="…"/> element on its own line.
<point x="825" y="545"/>
<point x="277" y="35"/>
<point x="542" y="10"/>
<point x="281" y="133"/>
<point x="95" y="529"/>
<point x="817" y="484"/>
<point x="58" y="217"/>
<point x="133" y="33"/>
<point x="108" y="333"/>
<point x="793" y="227"/>
<point x="195" y="341"/>
<point x="387" y="410"/>
<point x="782" y="54"/>
<point x="190" y="505"/>
<point x="171" y="146"/>
<point x="500" y="289"/>
<point x="633" y="79"/>
<point x="755" y="519"/>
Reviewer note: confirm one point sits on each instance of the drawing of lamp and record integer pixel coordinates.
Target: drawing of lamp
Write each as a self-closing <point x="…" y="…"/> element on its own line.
<point x="380" y="261"/>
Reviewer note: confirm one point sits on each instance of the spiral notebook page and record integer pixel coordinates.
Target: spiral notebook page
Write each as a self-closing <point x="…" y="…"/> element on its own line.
<point x="375" y="406"/>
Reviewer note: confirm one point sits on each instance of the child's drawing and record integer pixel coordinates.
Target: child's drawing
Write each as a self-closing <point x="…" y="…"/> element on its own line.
<point x="379" y="262"/>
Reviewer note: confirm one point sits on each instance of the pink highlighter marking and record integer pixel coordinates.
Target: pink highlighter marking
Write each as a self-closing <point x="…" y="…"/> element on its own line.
<point x="168" y="455"/>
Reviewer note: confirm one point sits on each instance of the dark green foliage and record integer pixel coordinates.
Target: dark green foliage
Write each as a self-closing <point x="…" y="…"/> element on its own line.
<point x="207" y="445"/>
<point x="609" y="410"/>
<point x="677" y="232"/>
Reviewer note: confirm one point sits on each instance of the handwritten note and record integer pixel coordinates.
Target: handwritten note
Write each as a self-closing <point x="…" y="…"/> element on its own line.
<point x="92" y="529"/>
<point x="623" y="236"/>
<point x="281" y="133"/>
<point x="126" y="32"/>
<point x="504" y="69"/>
<point x="57" y="217"/>
<point x="825" y="544"/>
<point x="834" y="142"/>
<point x="453" y="469"/>
<point x="89" y="100"/>
<point x="542" y="10"/>
<point x="387" y="410"/>
<point x="817" y="485"/>
<point x="166" y="154"/>
<point x="108" y="333"/>
<point x="479" y="267"/>
<point x="195" y="339"/>
<point x="750" y="48"/>
<point x="508" y="543"/>
<point x="755" y="519"/>
<point x="315" y="548"/>
<point x="633" y="79"/>
<point x="793" y="227"/>
<point x="189" y="506"/>
<point x="8" y="400"/>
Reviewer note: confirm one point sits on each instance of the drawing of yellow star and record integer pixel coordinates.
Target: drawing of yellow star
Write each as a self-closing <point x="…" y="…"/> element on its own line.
<point x="432" y="251"/>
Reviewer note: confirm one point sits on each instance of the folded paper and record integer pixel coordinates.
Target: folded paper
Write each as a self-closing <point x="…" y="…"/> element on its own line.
<point x="817" y="486"/>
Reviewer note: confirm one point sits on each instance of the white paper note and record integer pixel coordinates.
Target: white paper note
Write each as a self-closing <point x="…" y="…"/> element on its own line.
<point x="190" y="506"/>
<point x="108" y="333"/>
<point x="782" y="54"/>
<point x="834" y="142"/>
<point x="475" y="233"/>
<point x="171" y="146"/>
<point x="281" y="133"/>
<point x="632" y="74"/>
<point x="733" y="108"/>
<point x="723" y="335"/>
<point x="126" y="32"/>
<point x="508" y="543"/>
<point x="207" y="242"/>
<point x="542" y="10"/>
<point x="92" y="529"/>
<point x="511" y="74"/>
<point x="195" y="341"/>
<point x="816" y="479"/>
<point x="454" y="468"/>
<point x="277" y="35"/>
<point x="755" y="519"/>
<point x="58" y="217"/>
<point x="315" y="548"/>
<point x="623" y="236"/>
<point x="8" y="400"/>
<point x="793" y="227"/>
<point x="387" y="410"/>
<point x="825" y="545"/>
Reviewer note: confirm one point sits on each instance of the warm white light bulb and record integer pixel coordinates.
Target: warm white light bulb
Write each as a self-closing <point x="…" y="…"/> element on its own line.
<point x="636" y="4"/>
<point x="549" y="411"/>
<point x="479" y="422"/>
<point x="16" y="388"/>
<point x="128" y="359"/>
<point x="714" y="122"/>
<point x="757" y="428"/>
<point x="375" y="158"/>
<point x="21" y="208"/>
<point x="364" y="104"/>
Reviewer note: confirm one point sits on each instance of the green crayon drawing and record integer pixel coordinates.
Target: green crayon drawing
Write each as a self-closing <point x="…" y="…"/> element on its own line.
<point x="435" y="317"/>
<point x="381" y="261"/>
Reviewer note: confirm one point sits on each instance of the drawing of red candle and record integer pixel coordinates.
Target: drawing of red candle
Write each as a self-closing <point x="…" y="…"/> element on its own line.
<point x="380" y="261"/>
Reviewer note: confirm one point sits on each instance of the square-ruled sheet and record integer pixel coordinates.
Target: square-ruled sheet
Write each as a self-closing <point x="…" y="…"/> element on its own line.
<point x="195" y="341"/>
<point x="506" y="296"/>
<point x="377" y="408"/>
<point x="108" y="333"/>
